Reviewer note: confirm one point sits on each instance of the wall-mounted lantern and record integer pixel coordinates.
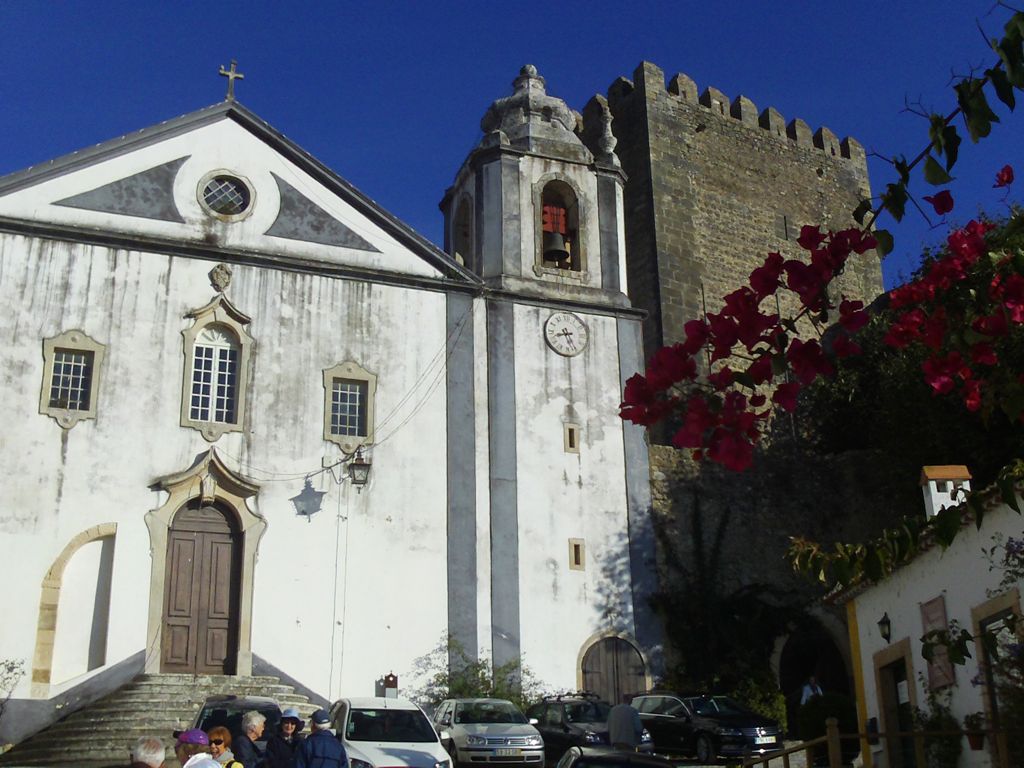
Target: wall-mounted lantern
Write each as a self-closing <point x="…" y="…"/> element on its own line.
<point x="359" y="470"/>
<point x="885" y="627"/>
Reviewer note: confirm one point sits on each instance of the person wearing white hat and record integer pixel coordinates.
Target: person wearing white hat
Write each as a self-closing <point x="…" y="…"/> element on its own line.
<point x="281" y="746"/>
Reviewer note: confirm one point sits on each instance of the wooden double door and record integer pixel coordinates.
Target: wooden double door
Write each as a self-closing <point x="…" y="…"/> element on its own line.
<point x="614" y="668"/>
<point x="200" y="626"/>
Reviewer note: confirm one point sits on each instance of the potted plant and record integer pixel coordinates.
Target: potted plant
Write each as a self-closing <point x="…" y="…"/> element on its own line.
<point x="974" y="725"/>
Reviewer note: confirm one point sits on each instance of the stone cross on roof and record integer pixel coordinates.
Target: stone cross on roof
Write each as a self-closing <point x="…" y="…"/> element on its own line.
<point x="231" y="75"/>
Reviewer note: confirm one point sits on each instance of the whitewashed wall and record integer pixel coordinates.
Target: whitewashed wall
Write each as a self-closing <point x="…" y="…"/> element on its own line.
<point x="960" y="573"/>
<point x="569" y="495"/>
<point x="388" y="585"/>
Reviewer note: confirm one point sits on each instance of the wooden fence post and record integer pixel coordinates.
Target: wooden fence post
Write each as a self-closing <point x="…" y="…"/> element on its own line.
<point x="835" y="752"/>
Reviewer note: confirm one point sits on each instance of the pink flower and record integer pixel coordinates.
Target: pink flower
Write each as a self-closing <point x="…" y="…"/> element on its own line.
<point x="852" y="315"/>
<point x="1005" y="177"/>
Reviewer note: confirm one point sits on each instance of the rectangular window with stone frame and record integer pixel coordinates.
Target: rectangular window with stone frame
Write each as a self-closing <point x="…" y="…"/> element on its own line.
<point x="349" y="393"/>
<point x="71" y="366"/>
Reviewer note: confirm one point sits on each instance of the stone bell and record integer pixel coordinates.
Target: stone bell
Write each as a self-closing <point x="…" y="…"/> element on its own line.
<point x="555" y="248"/>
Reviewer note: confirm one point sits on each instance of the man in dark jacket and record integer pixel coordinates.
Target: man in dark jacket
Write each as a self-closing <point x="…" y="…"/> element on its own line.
<point x="246" y="751"/>
<point x="321" y="749"/>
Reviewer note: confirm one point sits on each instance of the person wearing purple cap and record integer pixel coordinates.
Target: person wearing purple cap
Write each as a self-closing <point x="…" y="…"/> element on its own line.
<point x="193" y="750"/>
<point x="321" y="749"/>
<point x="282" y="745"/>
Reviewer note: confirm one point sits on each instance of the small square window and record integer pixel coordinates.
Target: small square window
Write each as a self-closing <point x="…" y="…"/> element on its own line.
<point x="71" y="368"/>
<point x="349" y="392"/>
<point x="577" y="555"/>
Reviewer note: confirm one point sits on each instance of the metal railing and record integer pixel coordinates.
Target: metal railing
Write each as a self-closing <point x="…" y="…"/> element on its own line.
<point x="833" y="740"/>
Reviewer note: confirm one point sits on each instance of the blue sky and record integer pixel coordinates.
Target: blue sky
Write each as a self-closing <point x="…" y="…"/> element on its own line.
<point x="390" y="95"/>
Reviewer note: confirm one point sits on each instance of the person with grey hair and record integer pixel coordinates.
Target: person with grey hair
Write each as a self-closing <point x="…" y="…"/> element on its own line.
<point x="321" y="749"/>
<point x="148" y="752"/>
<point x="243" y="745"/>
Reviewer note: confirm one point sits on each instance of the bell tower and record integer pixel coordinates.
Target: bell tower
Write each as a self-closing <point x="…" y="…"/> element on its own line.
<point x="533" y="209"/>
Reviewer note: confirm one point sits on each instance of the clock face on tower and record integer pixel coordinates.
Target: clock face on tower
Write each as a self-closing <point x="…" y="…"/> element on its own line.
<point x="566" y="333"/>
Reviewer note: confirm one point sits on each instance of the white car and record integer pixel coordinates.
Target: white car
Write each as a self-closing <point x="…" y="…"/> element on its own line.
<point x="387" y="733"/>
<point x="488" y="731"/>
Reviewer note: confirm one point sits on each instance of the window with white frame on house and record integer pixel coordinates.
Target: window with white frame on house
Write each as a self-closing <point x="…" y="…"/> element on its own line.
<point x="349" y="391"/>
<point x="70" y="377"/>
<point x="215" y="356"/>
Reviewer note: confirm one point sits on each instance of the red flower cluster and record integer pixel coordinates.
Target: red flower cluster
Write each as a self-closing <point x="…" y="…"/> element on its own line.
<point x="719" y="420"/>
<point x="989" y="315"/>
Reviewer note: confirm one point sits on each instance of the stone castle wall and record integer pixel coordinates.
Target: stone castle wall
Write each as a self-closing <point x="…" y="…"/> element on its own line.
<point x="714" y="186"/>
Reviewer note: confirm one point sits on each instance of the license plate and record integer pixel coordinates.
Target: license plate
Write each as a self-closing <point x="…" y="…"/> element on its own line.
<point x="507" y="752"/>
<point x="764" y="739"/>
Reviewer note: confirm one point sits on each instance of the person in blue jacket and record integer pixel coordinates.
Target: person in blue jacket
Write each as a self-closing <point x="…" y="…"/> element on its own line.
<point x="321" y="749"/>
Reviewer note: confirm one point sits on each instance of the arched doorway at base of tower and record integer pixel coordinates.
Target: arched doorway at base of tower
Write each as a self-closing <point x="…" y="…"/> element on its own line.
<point x="613" y="668"/>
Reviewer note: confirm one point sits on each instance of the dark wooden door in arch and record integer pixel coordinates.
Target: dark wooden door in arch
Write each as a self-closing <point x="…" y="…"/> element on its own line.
<point x="200" y="628"/>
<point x="613" y="668"/>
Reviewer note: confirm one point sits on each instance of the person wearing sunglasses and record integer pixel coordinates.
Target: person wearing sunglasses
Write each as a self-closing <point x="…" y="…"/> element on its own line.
<point x="220" y="747"/>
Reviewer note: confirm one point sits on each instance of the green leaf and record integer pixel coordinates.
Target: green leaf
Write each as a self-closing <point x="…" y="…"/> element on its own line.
<point x="872" y="563"/>
<point x="895" y="200"/>
<point x="903" y="169"/>
<point x="779" y="366"/>
<point x="977" y="506"/>
<point x="1008" y="493"/>
<point x="946" y="524"/>
<point x="934" y="174"/>
<point x="863" y="209"/>
<point x="1009" y="51"/>
<point x="951" y="142"/>
<point x="885" y="242"/>
<point x="977" y="113"/>
<point x="1004" y="90"/>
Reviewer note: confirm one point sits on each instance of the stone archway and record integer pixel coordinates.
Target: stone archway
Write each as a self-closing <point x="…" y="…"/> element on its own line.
<point x="612" y="666"/>
<point x="811" y="650"/>
<point x="208" y="482"/>
<point x="49" y="601"/>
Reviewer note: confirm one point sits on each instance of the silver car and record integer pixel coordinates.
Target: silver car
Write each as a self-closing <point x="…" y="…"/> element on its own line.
<point x="488" y="731"/>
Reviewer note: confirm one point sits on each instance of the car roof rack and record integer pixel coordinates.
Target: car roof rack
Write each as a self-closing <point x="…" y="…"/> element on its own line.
<point x="590" y="695"/>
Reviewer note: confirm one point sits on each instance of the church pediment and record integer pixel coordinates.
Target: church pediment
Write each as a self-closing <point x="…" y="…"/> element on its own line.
<point x="221" y="178"/>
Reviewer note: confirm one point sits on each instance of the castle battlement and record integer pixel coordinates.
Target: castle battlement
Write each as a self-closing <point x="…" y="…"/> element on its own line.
<point x="651" y="80"/>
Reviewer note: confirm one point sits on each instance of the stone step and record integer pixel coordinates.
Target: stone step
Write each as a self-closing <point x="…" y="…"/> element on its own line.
<point x="150" y="705"/>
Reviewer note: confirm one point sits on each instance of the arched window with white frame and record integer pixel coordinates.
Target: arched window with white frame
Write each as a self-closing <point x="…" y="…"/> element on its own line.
<point x="217" y="352"/>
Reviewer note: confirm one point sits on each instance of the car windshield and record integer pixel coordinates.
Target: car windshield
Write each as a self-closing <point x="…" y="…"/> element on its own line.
<point x="587" y="712"/>
<point x="478" y="712"/>
<point x="228" y="714"/>
<point x="405" y="725"/>
<point x="717" y="705"/>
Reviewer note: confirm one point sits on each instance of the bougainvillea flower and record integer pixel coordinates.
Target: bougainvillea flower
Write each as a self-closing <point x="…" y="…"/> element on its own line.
<point x="785" y="396"/>
<point x="991" y="325"/>
<point x="810" y="237"/>
<point x="844" y="347"/>
<point x="721" y="378"/>
<point x="942" y="202"/>
<point x="697" y="333"/>
<point x="852" y="315"/>
<point x="983" y="354"/>
<point x="730" y="450"/>
<point x="941" y="372"/>
<point x="670" y="365"/>
<point x="765" y="279"/>
<point x="972" y="395"/>
<point x="807" y="360"/>
<point x="760" y="370"/>
<point x="1005" y="177"/>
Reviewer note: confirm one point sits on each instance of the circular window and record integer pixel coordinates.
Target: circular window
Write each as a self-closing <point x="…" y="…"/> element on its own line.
<point x="226" y="196"/>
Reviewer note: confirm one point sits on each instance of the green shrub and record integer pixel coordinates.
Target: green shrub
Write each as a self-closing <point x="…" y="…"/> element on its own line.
<point x="939" y="751"/>
<point x="762" y="697"/>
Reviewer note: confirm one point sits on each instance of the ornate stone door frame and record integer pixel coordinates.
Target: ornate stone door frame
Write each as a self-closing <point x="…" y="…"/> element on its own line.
<point x="209" y="480"/>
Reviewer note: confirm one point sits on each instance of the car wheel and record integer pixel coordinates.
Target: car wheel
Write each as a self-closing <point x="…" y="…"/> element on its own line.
<point x="705" y="749"/>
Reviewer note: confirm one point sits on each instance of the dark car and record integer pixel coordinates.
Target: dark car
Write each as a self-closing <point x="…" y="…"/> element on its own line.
<point x="705" y="726"/>
<point x="595" y="757"/>
<point x="227" y="711"/>
<point x="573" y="720"/>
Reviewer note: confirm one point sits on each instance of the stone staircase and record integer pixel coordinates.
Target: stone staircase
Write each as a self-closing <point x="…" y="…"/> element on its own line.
<point x="101" y="733"/>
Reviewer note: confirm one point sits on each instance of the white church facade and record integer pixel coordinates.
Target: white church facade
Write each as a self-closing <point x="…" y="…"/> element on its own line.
<point x="212" y="341"/>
